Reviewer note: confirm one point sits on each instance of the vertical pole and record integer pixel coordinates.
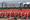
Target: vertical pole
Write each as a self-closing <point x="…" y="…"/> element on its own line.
<point x="2" y="4"/>
<point x="5" y="5"/>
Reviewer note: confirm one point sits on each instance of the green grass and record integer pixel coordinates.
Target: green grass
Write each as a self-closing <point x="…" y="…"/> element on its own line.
<point x="15" y="8"/>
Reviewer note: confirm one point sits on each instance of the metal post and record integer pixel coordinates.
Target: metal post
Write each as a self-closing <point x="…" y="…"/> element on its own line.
<point x="2" y="4"/>
<point x="6" y="5"/>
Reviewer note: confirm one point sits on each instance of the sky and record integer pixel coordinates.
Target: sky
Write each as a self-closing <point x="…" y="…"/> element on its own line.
<point x="8" y="0"/>
<point x="15" y="0"/>
<point x="12" y="1"/>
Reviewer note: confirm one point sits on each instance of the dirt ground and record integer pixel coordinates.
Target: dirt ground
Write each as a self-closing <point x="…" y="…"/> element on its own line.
<point x="3" y="19"/>
<point x="7" y="19"/>
<point x="17" y="19"/>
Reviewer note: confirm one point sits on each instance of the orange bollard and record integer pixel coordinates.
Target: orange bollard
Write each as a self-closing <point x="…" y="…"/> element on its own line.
<point x="1" y="14"/>
<point x="27" y="17"/>
<point x="5" y="15"/>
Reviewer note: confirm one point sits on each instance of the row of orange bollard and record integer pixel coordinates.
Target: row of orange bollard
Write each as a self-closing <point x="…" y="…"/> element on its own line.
<point x="14" y="13"/>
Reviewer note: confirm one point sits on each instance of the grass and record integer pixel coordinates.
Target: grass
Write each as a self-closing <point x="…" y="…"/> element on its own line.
<point x="15" y="8"/>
